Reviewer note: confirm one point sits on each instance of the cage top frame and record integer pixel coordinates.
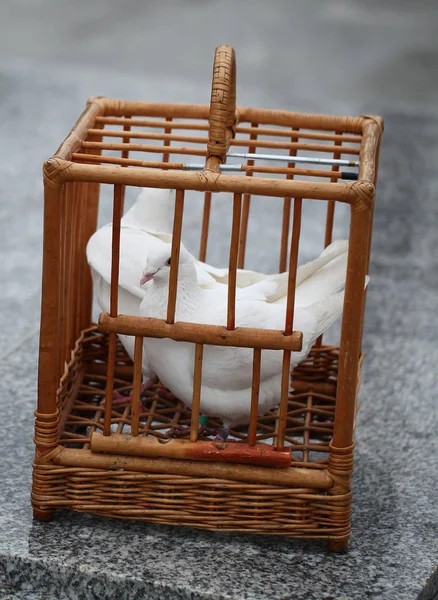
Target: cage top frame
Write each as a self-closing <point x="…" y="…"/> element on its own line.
<point x="359" y="194"/>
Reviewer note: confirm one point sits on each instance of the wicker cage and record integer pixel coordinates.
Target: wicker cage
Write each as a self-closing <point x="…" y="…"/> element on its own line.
<point x="287" y="472"/>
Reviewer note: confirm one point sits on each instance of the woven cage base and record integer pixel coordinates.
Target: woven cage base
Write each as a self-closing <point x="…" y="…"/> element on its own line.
<point x="204" y="502"/>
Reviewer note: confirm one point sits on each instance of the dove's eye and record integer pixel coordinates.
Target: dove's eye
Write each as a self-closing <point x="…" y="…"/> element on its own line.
<point x="168" y="262"/>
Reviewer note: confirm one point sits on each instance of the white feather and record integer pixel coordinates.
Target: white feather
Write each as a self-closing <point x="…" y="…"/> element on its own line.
<point x="226" y="372"/>
<point x="145" y="231"/>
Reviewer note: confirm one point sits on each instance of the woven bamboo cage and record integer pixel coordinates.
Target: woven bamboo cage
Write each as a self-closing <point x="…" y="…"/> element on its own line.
<point x="288" y="472"/>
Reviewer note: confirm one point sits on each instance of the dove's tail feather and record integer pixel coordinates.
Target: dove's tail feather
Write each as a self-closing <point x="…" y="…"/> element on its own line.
<point x="151" y="211"/>
<point x="326" y="311"/>
<point x="316" y="279"/>
<point x="326" y="281"/>
<point x="329" y="254"/>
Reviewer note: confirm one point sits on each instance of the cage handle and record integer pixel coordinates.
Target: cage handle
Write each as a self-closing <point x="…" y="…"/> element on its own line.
<point x="222" y="106"/>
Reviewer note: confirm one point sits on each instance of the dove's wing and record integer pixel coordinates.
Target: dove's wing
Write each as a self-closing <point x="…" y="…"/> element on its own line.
<point x="316" y="279"/>
<point x="151" y="211"/>
<point x="320" y="277"/>
<point x="323" y="276"/>
<point x="244" y="278"/>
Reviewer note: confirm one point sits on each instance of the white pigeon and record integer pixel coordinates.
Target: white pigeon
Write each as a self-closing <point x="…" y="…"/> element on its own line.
<point x="144" y="229"/>
<point x="227" y="372"/>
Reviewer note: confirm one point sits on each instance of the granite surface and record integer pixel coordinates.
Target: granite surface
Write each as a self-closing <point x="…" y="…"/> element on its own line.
<point x="394" y="546"/>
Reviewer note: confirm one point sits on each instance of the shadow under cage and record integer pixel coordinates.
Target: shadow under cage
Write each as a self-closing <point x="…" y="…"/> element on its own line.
<point x="288" y="471"/>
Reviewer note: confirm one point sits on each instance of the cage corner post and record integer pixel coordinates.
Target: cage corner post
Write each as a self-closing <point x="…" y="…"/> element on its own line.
<point x="340" y="466"/>
<point x="47" y="414"/>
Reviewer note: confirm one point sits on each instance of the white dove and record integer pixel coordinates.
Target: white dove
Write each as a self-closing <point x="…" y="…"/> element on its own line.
<point x="144" y="229"/>
<point x="227" y="372"/>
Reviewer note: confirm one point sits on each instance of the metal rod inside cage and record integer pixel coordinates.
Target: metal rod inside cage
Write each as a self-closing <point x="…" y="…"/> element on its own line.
<point x="311" y="160"/>
<point x="240" y="167"/>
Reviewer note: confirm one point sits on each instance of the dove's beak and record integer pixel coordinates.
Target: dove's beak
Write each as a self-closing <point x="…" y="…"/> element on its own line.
<point x="147" y="275"/>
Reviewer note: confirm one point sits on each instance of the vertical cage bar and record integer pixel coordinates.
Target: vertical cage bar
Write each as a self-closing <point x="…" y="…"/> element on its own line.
<point x="284" y="234"/>
<point x="244" y="227"/>
<point x="370" y="235"/>
<point x="293" y="264"/>
<point x="136" y="387"/>
<point x="331" y="203"/>
<point x="81" y="257"/>
<point x="290" y="306"/>
<point x="330" y="219"/>
<point x="65" y="206"/>
<point x="76" y="287"/>
<point x="307" y="421"/>
<point x="205" y="227"/>
<point x="376" y="172"/>
<point x="282" y="413"/>
<point x="196" y="399"/>
<point x="70" y="275"/>
<point x="246" y="206"/>
<point x="354" y="306"/>
<point x="174" y="261"/>
<point x="112" y="346"/>
<point x="252" y="432"/>
<point x="232" y="266"/>
<point x="286" y="212"/>
<point x="115" y="257"/>
<point x="125" y="154"/>
<point x="89" y="227"/>
<point x="168" y="142"/>
<point x="112" y="349"/>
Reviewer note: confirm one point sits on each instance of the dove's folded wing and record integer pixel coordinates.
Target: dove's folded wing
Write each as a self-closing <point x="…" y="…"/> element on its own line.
<point x="244" y="279"/>
<point x="315" y="279"/>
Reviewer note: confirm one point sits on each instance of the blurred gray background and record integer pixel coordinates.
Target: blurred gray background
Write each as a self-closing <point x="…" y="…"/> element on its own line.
<point x="332" y="56"/>
<point x="335" y="55"/>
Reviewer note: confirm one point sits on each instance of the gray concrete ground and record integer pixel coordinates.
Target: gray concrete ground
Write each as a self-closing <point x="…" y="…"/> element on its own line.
<point x="340" y="56"/>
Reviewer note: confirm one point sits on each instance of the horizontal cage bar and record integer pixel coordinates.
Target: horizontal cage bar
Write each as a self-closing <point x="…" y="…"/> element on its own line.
<point x="114" y="160"/>
<point x="234" y="141"/>
<point x="111" y="107"/>
<point x="289" y="477"/>
<point x="234" y="452"/>
<point x="197" y="126"/>
<point x="60" y="170"/>
<point x="213" y="335"/>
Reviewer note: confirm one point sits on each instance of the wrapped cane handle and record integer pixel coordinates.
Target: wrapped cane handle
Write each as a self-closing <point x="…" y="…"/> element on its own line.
<point x="222" y="106"/>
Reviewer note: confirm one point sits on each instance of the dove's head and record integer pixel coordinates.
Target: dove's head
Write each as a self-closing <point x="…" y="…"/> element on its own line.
<point x="158" y="265"/>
